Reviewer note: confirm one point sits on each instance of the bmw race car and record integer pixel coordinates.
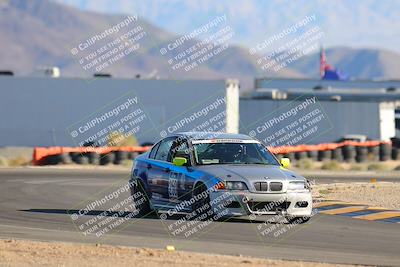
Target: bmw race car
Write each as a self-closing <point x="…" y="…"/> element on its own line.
<point x="229" y="174"/>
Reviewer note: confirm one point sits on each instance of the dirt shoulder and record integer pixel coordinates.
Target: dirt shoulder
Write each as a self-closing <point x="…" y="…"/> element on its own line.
<point x="378" y="194"/>
<point x="33" y="253"/>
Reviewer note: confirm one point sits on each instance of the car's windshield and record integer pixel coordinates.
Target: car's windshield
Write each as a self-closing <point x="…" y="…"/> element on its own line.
<point x="233" y="153"/>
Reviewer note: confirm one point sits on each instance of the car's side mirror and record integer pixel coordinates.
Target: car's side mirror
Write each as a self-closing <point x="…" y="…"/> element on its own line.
<point x="285" y="162"/>
<point x="179" y="161"/>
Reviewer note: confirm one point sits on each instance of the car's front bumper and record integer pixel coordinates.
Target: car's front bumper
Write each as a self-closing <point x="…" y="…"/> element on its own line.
<point x="239" y="203"/>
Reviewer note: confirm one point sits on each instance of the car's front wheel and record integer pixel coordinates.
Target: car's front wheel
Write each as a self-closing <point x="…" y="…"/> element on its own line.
<point x="202" y="205"/>
<point x="140" y="200"/>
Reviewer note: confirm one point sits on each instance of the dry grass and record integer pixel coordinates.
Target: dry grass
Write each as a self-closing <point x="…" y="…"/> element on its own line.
<point x="3" y="162"/>
<point x="332" y="165"/>
<point x="358" y="167"/>
<point x="378" y="166"/>
<point x="19" y="161"/>
<point x="305" y="164"/>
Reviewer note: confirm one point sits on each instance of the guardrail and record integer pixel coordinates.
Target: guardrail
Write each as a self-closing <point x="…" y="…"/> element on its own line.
<point x="348" y="151"/>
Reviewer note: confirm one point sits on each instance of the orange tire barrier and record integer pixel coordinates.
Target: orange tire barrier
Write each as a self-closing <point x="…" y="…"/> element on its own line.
<point x="40" y="153"/>
<point x="319" y="147"/>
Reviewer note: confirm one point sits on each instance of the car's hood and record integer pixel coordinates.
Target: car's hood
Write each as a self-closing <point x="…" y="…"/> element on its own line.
<point x="250" y="173"/>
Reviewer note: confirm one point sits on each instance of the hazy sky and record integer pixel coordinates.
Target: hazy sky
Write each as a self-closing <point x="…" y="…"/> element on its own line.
<point x="367" y="23"/>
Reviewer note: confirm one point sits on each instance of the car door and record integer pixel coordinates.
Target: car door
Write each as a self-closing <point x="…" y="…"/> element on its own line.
<point x="158" y="171"/>
<point x="181" y="178"/>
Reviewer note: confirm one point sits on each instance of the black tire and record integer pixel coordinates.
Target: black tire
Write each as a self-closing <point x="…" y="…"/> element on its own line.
<point x="120" y="156"/>
<point x="313" y="154"/>
<point x="384" y="152"/>
<point x="81" y="159"/>
<point x="349" y="153"/>
<point x="53" y="160"/>
<point x="337" y="154"/>
<point x="395" y="142"/>
<point x="300" y="155"/>
<point x="107" y="158"/>
<point x="142" y="203"/>
<point x="93" y="158"/>
<point x="73" y="156"/>
<point x="324" y="155"/>
<point x="297" y="220"/>
<point x="361" y="153"/>
<point x="202" y="205"/>
<point x="395" y="153"/>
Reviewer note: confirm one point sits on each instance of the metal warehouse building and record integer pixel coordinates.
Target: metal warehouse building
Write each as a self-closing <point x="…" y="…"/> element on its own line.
<point x="368" y="108"/>
<point x="45" y="111"/>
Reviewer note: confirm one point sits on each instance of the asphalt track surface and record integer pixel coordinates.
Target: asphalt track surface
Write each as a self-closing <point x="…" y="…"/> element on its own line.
<point x="34" y="204"/>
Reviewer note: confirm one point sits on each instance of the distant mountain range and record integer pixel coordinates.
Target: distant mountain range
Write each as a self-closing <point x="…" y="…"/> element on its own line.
<point x="42" y="33"/>
<point x="366" y="23"/>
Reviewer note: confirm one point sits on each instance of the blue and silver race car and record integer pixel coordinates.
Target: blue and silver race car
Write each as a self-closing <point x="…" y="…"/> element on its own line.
<point x="218" y="174"/>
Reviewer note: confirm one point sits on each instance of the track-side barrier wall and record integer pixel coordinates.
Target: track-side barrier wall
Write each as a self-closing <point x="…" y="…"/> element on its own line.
<point x="348" y="151"/>
<point x="85" y="155"/>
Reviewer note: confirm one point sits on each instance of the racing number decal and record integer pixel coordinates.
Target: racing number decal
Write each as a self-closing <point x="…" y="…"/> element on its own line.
<point x="172" y="188"/>
<point x="182" y="181"/>
<point x="175" y="180"/>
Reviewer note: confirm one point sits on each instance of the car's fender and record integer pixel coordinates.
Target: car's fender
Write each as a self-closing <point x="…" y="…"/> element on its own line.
<point x="139" y="173"/>
<point x="209" y="180"/>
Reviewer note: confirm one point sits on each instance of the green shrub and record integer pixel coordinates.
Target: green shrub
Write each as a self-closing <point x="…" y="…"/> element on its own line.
<point x="377" y="167"/>
<point x="324" y="191"/>
<point x="3" y="162"/>
<point x="19" y="161"/>
<point x="357" y="167"/>
<point x="305" y="164"/>
<point x="331" y="165"/>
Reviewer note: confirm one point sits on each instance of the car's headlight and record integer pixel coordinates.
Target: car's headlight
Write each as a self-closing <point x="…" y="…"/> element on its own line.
<point x="235" y="186"/>
<point x="297" y="186"/>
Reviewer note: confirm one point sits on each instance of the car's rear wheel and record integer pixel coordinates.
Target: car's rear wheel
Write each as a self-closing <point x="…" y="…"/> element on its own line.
<point x="202" y="205"/>
<point x="140" y="199"/>
<point x="297" y="220"/>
